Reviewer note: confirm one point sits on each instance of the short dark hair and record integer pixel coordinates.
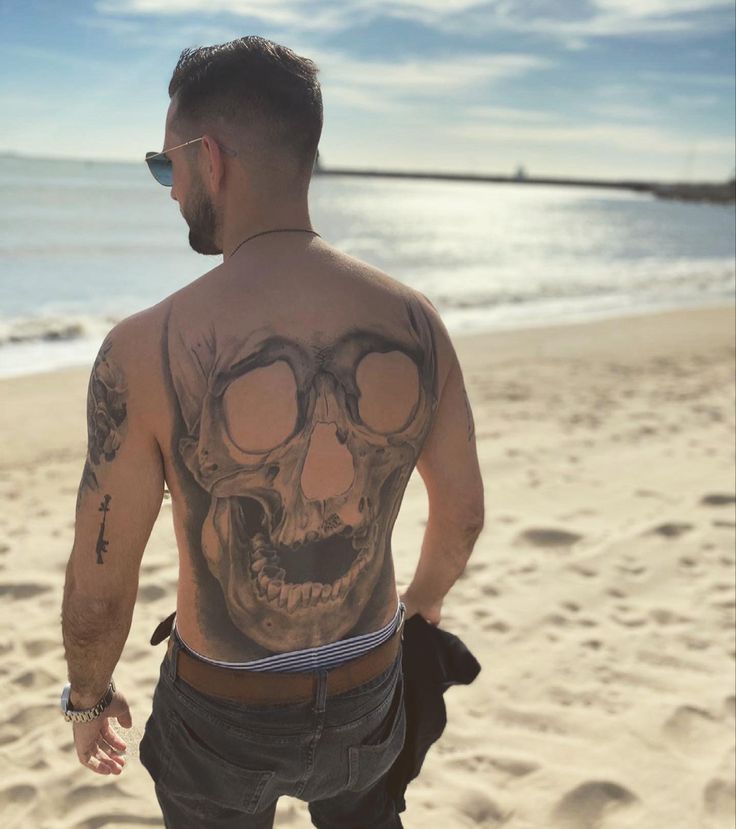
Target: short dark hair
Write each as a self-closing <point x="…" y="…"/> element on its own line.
<point x="257" y="86"/>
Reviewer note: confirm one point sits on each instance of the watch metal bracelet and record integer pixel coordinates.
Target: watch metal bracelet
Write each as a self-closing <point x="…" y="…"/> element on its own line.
<point x="87" y="714"/>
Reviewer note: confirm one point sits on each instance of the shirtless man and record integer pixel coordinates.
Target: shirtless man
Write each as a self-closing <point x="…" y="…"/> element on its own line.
<point x="284" y="399"/>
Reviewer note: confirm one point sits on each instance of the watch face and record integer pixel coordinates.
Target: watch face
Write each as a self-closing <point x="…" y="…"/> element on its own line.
<point x="65" y="697"/>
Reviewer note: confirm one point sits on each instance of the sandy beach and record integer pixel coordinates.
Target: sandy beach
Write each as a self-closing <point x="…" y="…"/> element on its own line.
<point x="599" y="600"/>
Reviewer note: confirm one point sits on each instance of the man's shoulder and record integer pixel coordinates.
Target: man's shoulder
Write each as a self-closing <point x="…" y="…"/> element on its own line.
<point x="134" y="346"/>
<point x="136" y="332"/>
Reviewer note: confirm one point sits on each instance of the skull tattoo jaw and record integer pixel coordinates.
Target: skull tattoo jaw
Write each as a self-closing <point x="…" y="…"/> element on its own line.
<point x="298" y="559"/>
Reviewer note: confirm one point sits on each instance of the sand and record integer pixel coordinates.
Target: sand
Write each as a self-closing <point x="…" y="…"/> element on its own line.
<point x="599" y="599"/>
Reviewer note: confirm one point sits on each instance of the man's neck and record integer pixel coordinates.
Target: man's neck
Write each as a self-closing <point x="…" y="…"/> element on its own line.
<point x="237" y="232"/>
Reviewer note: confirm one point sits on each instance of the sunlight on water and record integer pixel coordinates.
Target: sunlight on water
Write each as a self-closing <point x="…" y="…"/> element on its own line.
<point x="86" y="243"/>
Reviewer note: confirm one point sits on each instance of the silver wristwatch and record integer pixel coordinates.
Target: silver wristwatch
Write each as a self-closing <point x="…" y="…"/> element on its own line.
<point x="72" y="715"/>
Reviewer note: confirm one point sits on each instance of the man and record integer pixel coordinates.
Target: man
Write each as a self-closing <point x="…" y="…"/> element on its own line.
<point x="284" y="398"/>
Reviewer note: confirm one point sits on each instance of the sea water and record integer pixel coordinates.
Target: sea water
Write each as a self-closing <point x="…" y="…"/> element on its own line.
<point x="84" y="244"/>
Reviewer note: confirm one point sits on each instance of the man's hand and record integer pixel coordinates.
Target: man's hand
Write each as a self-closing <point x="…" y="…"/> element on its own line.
<point x="98" y="746"/>
<point x="432" y="613"/>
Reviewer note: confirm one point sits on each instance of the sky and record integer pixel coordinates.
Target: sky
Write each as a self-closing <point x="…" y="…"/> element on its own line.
<point x="603" y="89"/>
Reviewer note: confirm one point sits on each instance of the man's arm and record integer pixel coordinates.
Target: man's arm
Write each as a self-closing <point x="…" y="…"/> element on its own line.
<point x="119" y="497"/>
<point x="451" y="473"/>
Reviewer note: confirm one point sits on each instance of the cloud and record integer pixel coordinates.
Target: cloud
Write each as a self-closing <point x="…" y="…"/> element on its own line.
<point x="648" y="8"/>
<point x="433" y="84"/>
<point x="299" y="15"/>
<point x="643" y="138"/>
<point x="571" y="22"/>
<point x="423" y="77"/>
<point x="694" y="101"/>
<point x="678" y="78"/>
<point x="510" y="114"/>
<point x="624" y="112"/>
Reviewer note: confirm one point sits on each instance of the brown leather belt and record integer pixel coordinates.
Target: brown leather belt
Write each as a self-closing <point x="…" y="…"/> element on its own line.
<point x="262" y="687"/>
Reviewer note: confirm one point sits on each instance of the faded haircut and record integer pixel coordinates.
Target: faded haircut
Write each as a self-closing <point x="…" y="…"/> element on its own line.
<point x="260" y="91"/>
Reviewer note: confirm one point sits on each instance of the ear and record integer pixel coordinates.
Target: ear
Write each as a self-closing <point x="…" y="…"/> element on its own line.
<point x="214" y="161"/>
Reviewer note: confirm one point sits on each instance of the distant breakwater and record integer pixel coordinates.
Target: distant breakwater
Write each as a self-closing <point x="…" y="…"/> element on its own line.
<point x="714" y="193"/>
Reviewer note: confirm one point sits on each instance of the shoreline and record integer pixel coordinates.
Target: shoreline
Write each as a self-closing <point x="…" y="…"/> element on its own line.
<point x="84" y="347"/>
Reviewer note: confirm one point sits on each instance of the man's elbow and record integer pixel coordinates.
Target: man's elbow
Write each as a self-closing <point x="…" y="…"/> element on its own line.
<point x="467" y="521"/>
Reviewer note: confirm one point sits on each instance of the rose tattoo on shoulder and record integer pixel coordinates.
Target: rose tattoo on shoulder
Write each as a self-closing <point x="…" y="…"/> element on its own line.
<point x="106" y="415"/>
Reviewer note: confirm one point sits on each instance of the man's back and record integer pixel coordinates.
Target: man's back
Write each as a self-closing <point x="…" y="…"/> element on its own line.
<point x="299" y="390"/>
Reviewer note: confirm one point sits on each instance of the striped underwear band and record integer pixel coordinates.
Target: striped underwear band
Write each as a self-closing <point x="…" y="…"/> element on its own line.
<point x="321" y="658"/>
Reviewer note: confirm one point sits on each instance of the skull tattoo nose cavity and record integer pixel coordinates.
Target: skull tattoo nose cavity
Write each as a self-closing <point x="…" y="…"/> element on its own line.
<point x="328" y="468"/>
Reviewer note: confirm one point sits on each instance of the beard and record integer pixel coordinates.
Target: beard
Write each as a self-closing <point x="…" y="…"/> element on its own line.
<point x="202" y="221"/>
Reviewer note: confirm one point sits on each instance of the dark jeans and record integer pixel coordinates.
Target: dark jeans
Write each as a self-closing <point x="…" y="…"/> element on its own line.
<point x="223" y="764"/>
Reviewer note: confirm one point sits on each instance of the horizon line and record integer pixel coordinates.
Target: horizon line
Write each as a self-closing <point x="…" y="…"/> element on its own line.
<point x="438" y="174"/>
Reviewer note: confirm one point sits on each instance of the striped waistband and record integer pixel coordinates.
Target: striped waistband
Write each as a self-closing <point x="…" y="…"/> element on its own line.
<point x="323" y="657"/>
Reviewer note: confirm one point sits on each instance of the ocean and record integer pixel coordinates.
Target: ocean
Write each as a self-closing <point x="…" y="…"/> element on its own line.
<point x="84" y="244"/>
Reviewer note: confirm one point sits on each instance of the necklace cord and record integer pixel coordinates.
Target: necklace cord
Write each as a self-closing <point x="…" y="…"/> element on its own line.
<point x="280" y="230"/>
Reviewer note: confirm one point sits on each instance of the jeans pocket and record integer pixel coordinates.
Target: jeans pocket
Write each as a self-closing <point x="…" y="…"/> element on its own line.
<point x="371" y="759"/>
<point x="195" y="770"/>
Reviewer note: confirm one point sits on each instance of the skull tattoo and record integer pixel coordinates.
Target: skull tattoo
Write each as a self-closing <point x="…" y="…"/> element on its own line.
<point x="297" y="556"/>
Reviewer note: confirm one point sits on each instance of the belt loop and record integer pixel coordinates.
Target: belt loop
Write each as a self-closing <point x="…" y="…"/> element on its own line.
<point x="172" y="651"/>
<point x="319" y="705"/>
<point x="402" y="607"/>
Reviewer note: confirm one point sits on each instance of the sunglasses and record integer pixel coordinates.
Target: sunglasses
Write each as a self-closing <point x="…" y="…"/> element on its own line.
<point x="160" y="165"/>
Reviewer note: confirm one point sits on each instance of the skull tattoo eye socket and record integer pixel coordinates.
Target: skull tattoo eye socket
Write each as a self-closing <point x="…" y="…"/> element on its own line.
<point x="394" y="370"/>
<point x="260" y="407"/>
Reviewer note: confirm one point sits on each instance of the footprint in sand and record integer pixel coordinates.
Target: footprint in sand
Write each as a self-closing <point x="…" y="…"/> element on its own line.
<point x="690" y="730"/>
<point x="86" y="794"/>
<point x="113" y="818"/>
<point x="631" y="569"/>
<point x="151" y="593"/>
<point x="616" y="593"/>
<point x="718" y="499"/>
<point x="593" y="644"/>
<point x="595" y="804"/>
<point x="659" y="659"/>
<point x="548" y="537"/>
<point x="16" y="801"/>
<point x="482" y="810"/>
<point x="497" y="627"/>
<point x="22" y="590"/>
<point x="37" y="679"/>
<point x="628" y="618"/>
<point x="38" y="647"/>
<point x="582" y="570"/>
<point x="533" y="721"/>
<point x="719" y="803"/>
<point x="484" y="763"/>
<point x="663" y="616"/>
<point x="670" y="530"/>
<point x="648" y="493"/>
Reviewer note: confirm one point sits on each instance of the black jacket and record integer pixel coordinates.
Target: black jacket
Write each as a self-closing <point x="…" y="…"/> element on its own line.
<point x="432" y="660"/>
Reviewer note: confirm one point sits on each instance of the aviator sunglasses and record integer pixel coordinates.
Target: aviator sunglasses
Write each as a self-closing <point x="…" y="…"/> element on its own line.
<point x="160" y="165"/>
